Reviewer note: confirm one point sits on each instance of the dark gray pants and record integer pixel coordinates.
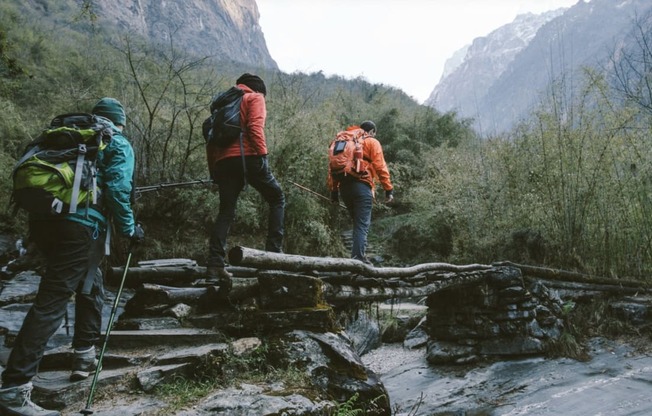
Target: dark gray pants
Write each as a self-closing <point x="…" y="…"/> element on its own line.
<point x="69" y="249"/>
<point x="230" y="180"/>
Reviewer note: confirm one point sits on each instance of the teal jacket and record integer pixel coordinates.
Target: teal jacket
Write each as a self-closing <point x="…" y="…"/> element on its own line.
<point x="115" y="166"/>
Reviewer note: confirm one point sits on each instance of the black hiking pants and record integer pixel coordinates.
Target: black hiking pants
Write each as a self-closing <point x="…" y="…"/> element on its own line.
<point x="230" y="181"/>
<point x="69" y="248"/>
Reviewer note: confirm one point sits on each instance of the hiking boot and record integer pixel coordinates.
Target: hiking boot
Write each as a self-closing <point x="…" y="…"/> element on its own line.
<point x="215" y="272"/>
<point x="84" y="363"/>
<point x="219" y="276"/>
<point x="16" y="401"/>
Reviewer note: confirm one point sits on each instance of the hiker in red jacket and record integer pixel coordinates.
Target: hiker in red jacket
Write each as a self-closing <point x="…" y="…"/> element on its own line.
<point x="229" y="171"/>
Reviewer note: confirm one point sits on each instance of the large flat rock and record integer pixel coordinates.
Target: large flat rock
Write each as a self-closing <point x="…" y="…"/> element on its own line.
<point x="616" y="382"/>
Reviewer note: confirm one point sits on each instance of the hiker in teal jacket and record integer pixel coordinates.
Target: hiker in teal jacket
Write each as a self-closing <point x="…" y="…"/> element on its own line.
<point x="73" y="246"/>
<point x="115" y="176"/>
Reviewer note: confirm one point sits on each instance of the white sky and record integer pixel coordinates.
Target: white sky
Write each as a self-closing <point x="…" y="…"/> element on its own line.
<point x="402" y="43"/>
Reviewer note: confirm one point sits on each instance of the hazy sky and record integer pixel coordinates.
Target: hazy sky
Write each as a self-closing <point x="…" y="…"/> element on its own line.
<point x="402" y="43"/>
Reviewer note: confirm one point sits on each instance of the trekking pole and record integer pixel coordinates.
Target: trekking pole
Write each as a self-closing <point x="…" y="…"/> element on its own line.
<point x="161" y="186"/>
<point x="87" y="410"/>
<point x="315" y="193"/>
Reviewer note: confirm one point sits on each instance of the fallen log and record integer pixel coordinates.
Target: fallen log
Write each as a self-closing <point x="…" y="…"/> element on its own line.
<point x="155" y="295"/>
<point x="152" y="294"/>
<point x="580" y="287"/>
<point x="169" y="276"/>
<point x="568" y="276"/>
<point x="243" y="256"/>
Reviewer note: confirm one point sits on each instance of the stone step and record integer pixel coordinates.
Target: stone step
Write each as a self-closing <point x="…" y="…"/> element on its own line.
<point x="54" y="390"/>
<point x="169" y="337"/>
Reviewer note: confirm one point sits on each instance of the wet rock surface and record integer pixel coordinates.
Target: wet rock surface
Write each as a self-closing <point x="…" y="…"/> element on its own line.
<point x="616" y="381"/>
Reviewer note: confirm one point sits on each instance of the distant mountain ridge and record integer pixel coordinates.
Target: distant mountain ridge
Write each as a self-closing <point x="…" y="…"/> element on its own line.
<point x="502" y="74"/>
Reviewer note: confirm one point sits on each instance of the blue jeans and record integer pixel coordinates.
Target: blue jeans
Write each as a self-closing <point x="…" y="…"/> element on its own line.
<point x="358" y="198"/>
<point x="69" y="248"/>
<point x="230" y="181"/>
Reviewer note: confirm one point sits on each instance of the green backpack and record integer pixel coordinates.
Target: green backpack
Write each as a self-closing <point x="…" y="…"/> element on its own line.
<point x="57" y="171"/>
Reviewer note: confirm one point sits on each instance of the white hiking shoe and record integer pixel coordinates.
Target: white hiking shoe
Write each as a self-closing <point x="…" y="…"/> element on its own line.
<point x="16" y="401"/>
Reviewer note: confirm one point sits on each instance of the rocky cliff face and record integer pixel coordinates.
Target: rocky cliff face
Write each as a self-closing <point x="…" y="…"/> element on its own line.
<point x="504" y="73"/>
<point x="226" y="29"/>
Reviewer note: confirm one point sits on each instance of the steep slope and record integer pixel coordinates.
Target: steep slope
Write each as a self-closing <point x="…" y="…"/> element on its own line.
<point x="225" y="29"/>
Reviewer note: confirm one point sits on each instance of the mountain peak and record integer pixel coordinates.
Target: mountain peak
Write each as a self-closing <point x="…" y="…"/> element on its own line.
<point x="484" y="61"/>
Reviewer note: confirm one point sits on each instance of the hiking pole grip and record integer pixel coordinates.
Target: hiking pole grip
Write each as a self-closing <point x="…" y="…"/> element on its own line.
<point x="87" y="410"/>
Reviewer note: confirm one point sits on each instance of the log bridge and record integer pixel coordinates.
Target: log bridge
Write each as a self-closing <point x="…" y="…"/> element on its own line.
<point x="473" y="310"/>
<point x="347" y="280"/>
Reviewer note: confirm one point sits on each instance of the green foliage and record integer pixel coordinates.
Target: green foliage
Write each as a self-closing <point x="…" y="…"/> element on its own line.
<point x="568" y="188"/>
<point x="416" y="238"/>
<point x="182" y="392"/>
<point x="256" y="366"/>
<point x="348" y="408"/>
<point x="176" y="222"/>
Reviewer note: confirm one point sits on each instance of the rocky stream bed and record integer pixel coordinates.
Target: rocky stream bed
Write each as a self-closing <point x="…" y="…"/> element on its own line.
<point x="489" y="366"/>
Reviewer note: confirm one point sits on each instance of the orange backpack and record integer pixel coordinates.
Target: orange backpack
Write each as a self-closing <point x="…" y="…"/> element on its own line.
<point x="345" y="155"/>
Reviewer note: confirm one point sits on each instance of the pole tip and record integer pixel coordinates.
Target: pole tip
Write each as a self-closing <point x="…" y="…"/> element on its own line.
<point x="86" y="412"/>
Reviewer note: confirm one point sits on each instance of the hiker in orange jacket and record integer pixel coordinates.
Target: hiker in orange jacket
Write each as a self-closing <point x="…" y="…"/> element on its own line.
<point x="231" y="169"/>
<point x="358" y="192"/>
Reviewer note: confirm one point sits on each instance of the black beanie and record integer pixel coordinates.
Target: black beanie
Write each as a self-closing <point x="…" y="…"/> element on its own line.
<point x="368" y="126"/>
<point x="253" y="81"/>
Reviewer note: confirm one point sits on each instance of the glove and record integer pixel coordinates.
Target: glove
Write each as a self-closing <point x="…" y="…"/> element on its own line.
<point x="389" y="196"/>
<point x="335" y="197"/>
<point x="138" y="235"/>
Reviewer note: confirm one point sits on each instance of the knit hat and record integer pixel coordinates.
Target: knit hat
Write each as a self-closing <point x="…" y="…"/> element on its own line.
<point x="368" y="126"/>
<point x="111" y="109"/>
<point x="252" y="81"/>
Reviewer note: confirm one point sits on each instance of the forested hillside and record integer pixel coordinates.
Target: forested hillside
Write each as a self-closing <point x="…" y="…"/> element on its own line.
<point x="567" y="189"/>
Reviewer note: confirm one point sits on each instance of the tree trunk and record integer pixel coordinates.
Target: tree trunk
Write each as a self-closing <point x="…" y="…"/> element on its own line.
<point x="568" y="276"/>
<point x="167" y="276"/>
<point x="242" y="256"/>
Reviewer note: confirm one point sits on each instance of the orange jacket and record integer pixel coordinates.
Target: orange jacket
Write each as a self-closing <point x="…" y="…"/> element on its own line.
<point x="372" y="152"/>
<point x="253" y="113"/>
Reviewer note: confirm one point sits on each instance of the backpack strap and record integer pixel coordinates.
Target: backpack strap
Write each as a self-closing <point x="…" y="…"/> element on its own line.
<point x="94" y="173"/>
<point x="31" y="152"/>
<point x="242" y="156"/>
<point x="79" y="166"/>
<point x="94" y="260"/>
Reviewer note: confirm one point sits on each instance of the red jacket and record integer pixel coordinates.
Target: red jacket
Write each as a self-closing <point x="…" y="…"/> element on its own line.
<point x="253" y="113"/>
